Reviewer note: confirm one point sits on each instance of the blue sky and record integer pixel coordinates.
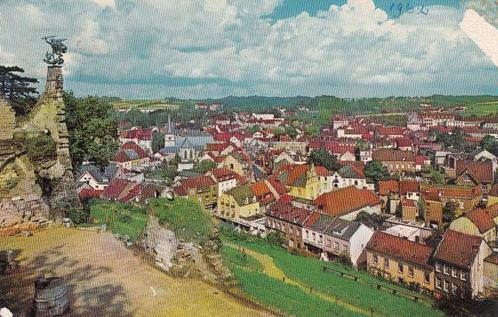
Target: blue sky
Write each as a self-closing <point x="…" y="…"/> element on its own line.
<point x="215" y="48"/>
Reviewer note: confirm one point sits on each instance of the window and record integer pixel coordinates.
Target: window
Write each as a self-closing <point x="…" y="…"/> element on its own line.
<point x="438" y="267"/>
<point x="400" y="267"/>
<point x="313" y="235"/>
<point x="438" y="283"/>
<point x="307" y="234"/>
<point x="454" y="272"/>
<point x="454" y="288"/>
<point x="376" y="259"/>
<point x="426" y="278"/>
<point x="336" y="247"/>
<point x="445" y="285"/>
<point x="386" y="263"/>
<point x="463" y="276"/>
<point x="329" y="243"/>
<point x="445" y="269"/>
<point x="410" y="271"/>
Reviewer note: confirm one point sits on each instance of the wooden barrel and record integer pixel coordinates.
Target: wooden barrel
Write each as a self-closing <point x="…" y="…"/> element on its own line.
<point x="51" y="297"/>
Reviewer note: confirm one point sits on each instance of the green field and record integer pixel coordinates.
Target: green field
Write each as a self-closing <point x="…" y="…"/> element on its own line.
<point x="309" y="272"/>
<point x="482" y="109"/>
<point x="153" y="104"/>
<point x="119" y="218"/>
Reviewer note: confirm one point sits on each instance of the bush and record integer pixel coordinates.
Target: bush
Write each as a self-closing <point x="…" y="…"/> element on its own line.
<point x="41" y="149"/>
<point x="275" y="238"/>
<point x="186" y="217"/>
<point x="78" y="215"/>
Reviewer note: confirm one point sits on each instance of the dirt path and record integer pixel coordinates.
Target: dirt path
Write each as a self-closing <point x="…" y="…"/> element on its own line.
<point x="105" y="279"/>
<point x="272" y="270"/>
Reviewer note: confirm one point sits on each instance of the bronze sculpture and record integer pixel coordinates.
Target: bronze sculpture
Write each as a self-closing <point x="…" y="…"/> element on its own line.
<point x="58" y="49"/>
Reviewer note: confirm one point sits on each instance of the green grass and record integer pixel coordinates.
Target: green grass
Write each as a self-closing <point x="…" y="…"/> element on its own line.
<point x="119" y="218"/>
<point x="482" y="109"/>
<point x="234" y="257"/>
<point x="186" y="217"/>
<point x="286" y="298"/>
<point x="363" y="293"/>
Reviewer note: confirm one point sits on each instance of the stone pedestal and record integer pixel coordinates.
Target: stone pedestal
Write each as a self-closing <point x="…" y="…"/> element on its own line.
<point x="55" y="82"/>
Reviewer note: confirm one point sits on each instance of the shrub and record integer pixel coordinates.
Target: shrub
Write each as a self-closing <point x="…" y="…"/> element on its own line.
<point x="41" y="149"/>
<point x="78" y="215"/>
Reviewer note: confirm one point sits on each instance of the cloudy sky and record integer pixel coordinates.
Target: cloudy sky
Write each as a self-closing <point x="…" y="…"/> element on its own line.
<point x="215" y="48"/>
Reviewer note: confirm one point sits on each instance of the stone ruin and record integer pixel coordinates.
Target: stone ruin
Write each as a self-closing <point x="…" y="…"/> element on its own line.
<point x="32" y="195"/>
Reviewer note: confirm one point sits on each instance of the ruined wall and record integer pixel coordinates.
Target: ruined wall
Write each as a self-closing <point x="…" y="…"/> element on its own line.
<point x="7" y="120"/>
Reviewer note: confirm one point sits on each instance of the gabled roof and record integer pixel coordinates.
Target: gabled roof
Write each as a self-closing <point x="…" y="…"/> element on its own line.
<point x="408" y="185"/>
<point x="93" y="170"/>
<point x="351" y="171"/>
<point x="346" y="200"/>
<point x="438" y="192"/>
<point x="458" y="248"/>
<point x="481" y="171"/>
<point x="494" y="190"/>
<point x="492" y="210"/>
<point x="400" y="248"/>
<point x="115" y="188"/>
<point x="223" y="173"/>
<point x="129" y="151"/>
<point x="481" y="219"/>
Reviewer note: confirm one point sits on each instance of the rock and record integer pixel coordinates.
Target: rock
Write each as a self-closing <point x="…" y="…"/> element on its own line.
<point x="26" y="233"/>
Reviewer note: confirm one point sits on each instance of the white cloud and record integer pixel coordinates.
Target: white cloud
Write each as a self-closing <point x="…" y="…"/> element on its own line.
<point x="173" y="46"/>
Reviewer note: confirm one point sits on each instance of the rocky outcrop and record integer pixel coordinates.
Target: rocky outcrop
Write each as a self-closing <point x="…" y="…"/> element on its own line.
<point x="31" y="193"/>
<point x="181" y="258"/>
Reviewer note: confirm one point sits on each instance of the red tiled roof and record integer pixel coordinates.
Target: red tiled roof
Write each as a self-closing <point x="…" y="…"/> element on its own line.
<point x="393" y="155"/>
<point x="452" y="191"/>
<point x="481" y="171"/>
<point x="115" y="188"/>
<point x="277" y="185"/>
<point x="90" y="193"/>
<point x="322" y="171"/>
<point x="483" y="220"/>
<point x="408" y="185"/>
<point x="139" y="134"/>
<point x="196" y="182"/>
<point x="346" y="200"/>
<point x="408" y="202"/>
<point x="387" y="131"/>
<point x="401" y="249"/>
<point x="494" y="190"/>
<point x="216" y="146"/>
<point x="458" y="248"/>
<point x="492" y="210"/>
<point x="223" y="173"/>
<point x="388" y="186"/>
<point x="260" y="188"/>
<point x="420" y="159"/>
<point x="123" y="154"/>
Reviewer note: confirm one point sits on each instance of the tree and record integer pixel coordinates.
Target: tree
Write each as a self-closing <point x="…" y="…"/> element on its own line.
<point x="157" y="141"/>
<point x="370" y="220"/>
<point x="291" y="131"/>
<point x="253" y="129"/>
<point x="18" y="90"/>
<point x="375" y="171"/>
<point x="490" y="144"/>
<point x="449" y="211"/>
<point x="93" y="133"/>
<point x="205" y="166"/>
<point x="323" y="158"/>
<point x="279" y="131"/>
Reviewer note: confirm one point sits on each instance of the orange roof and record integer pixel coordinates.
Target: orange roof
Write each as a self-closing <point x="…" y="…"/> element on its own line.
<point x="458" y="248"/>
<point x="483" y="221"/>
<point x="453" y="191"/>
<point x="322" y="171"/>
<point x="393" y="155"/>
<point x="387" y="187"/>
<point x="401" y="249"/>
<point x="480" y="171"/>
<point x="492" y="210"/>
<point x="408" y="185"/>
<point x="296" y="172"/>
<point x="260" y="188"/>
<point x="346" y="200"/>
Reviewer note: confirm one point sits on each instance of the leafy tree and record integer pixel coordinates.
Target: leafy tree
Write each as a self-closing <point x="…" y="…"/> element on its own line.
<point x="323" y="158"/>
<point x="205" y="166"/>
<point x="279" y="131"/>
<point x="449" y="211"/>
<point x="291" y="131"/>
<point x="253" y="129"/>
<point x="370" y="220"/>
<point x="157" y="141"/>
<point x="375" y="171"/>
<point x="92" y="130"/>
<point x="17" y="89"/>
<point x="490" y="144"/>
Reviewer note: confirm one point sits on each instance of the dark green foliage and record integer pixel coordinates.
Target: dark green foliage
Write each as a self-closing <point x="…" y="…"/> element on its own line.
<point x="186" y="217"/>
<point x="40" y="149"/>
<point x="253" y="129"/>
<point x="449" y="211"/>
<point x="93" y="133"/>
<point x="276" y="238"/>
<point x="370" y="220"/>
<point x="375" y="171"/>
<point x="490" y="144"/>
<point x="165" y="171"/>
<point x="454" y="140"/>
<point x="204" y="166"/>
<point x="157" y="141"/>
<point x="17" y="89"/>
<point x="323" y="158"/>
<point x="78" y="215"/>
